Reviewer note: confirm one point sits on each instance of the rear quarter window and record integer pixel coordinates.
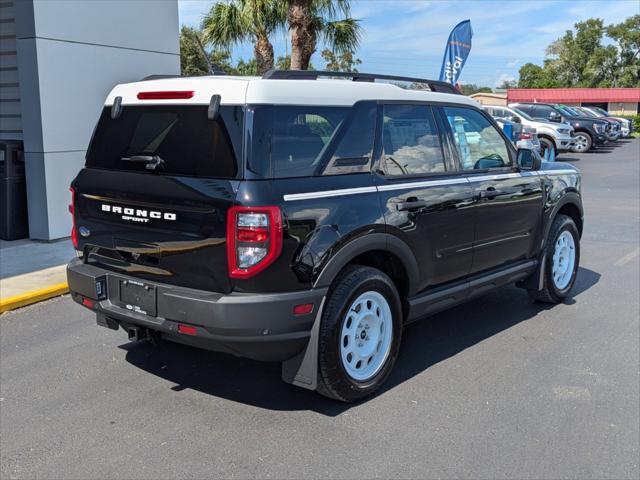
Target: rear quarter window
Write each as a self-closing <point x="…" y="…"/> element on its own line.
<point x="304" y="141"/>
<point x="181" y="135"/>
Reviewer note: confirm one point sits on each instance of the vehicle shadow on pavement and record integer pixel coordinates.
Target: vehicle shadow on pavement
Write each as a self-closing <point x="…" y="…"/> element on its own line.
<point x="425" y="343"/>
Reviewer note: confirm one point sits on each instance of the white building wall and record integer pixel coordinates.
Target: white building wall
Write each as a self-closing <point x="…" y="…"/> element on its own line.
<point x="70" y="54"/>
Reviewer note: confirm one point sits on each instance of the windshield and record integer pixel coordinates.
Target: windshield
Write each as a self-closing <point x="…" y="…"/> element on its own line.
<point x="584" y="112"/>
<point x="570" y="111"/>
<point x="181" y="136"/>
<point x="524" y="115"/>
<point x="601" y="111"/>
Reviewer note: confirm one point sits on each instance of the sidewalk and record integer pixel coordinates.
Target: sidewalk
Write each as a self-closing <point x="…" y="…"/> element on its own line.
<point x="32" y="271"/>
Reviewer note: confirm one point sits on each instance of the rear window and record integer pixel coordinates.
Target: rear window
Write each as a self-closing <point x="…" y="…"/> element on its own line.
<point x="181" y="135"/>
<point x="304" y="141"/>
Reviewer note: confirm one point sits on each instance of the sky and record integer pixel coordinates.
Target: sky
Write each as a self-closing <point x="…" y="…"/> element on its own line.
<point x="407" y="37"/>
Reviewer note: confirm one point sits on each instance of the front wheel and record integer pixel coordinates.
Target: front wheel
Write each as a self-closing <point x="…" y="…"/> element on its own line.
<point x="562" y="254"/>
<point x="360" y="334"/>
<point x="583" y="142"/>
<point x="547" y="149"/>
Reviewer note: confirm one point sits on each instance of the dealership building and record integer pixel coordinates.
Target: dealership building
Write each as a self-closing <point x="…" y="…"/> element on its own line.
<point x="617" y="101"/>
<point x="58" y="61"/>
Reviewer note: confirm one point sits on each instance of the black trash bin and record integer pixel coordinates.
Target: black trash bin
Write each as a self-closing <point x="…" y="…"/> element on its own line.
<point x="14" y="223"/>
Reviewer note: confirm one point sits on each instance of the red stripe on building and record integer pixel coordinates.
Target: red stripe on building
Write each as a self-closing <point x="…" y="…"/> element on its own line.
<point x="571" y="95"/>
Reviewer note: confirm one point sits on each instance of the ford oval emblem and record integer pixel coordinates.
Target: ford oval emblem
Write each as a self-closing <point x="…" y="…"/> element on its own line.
<point x="84" y="231"/>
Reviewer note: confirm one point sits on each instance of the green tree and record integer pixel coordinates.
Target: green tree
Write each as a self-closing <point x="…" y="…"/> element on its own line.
<point x="246" y="67"/>
<point x="193" y="61"/>
<point x="340" y="63"/>
<point x="237" y="21"/>
<point x="584" y="57"/>
<point x="310" y="21"/>
<point x="626" y="35"/>
<point x="471" y="88"/>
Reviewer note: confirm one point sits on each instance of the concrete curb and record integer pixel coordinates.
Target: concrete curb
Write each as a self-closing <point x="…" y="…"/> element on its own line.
<point x="34" y="296"/>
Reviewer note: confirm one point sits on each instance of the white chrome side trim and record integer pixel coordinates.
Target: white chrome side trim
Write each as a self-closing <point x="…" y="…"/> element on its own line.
<point x="427" y="183"/>
<point x="292" y="197"/>
<point x="558" y="172"/>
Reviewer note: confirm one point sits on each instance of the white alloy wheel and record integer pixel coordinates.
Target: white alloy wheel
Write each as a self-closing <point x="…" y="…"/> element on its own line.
<point x="366" y="336"/>
<point x="564" y="259"/>
<point x="582" y="142"/>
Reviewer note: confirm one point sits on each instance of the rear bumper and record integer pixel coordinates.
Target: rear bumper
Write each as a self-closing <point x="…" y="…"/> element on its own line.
<point x="257" y="326"/>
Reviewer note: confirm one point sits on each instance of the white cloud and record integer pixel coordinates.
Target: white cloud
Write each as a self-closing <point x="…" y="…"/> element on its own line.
<point x="514" y="63"/>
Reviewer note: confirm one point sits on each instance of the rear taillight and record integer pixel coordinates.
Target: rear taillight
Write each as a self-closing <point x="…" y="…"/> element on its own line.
<point x="72" y="211"/>
<point x="525" y="136"/>
<point x="254" y="239"/>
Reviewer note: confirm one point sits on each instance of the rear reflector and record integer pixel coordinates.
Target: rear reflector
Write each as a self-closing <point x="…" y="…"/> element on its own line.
<point x="187" y="329"/>
<point x="303" y="309"/>
<point x="87" y="302"/>
<point x="165" y="95"/>
<point x="72" y="211"/>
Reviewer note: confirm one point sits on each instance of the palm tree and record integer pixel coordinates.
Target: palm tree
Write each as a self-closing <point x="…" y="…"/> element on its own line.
<point x="311" y="20"/>
<point x="230" y="23"/>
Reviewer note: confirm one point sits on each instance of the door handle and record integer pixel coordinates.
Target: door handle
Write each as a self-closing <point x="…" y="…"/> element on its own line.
<point x="411" y="205"/>
<point x="490" y="193"/>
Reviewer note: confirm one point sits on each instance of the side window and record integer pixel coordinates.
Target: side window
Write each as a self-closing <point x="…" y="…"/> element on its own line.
<point x="410" y="141"/>
<point x="303" y="141"/>
<point x="528" y="109"/>
<point x="478" y="142"/>
<point x="543" y="111"/>
<point x="354" y="142"/>
<point x="499" y="112"/>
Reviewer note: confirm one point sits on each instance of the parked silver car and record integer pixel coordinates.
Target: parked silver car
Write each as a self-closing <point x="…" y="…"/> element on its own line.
<point x="554" y="136"/>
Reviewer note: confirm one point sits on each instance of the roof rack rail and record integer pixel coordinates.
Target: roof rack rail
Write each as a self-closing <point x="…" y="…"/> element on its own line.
<point x="434" y="85"/>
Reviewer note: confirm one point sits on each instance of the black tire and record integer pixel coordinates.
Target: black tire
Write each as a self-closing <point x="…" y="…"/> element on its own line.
<point x="333" y="379"/>
<point x="547" y="144"/>
<point x="588" y="142"/>
<point x="550" y="293"/>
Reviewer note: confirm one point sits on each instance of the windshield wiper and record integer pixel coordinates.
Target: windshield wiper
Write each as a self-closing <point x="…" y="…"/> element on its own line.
<point x="152" y="161"/>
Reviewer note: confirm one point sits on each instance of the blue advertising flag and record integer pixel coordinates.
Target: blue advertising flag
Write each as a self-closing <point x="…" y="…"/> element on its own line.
<point x="456" y="53"/>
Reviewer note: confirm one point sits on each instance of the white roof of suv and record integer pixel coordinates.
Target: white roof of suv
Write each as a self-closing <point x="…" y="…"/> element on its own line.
<point x="256" y="90"/>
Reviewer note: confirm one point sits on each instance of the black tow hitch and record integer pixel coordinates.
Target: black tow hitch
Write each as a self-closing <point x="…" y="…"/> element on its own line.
<point x="138" y="334"/>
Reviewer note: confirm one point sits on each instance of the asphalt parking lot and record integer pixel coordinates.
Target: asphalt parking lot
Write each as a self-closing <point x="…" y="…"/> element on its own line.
<point x="497" y="388"/>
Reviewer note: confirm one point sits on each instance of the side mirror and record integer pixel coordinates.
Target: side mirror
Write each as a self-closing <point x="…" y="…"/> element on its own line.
<point x="515" y="119"/>
<point x="528" y="159"/>
<point x="554" y="117"/>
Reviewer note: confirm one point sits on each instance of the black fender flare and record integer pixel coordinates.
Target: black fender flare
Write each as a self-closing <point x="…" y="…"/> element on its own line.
<point x="535" y="280"/>
<point x="366" y="243"/>
<point x="568" y="197"/>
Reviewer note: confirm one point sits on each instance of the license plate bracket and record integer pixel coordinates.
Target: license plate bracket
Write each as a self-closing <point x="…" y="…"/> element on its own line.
<point x="138" y="297"/>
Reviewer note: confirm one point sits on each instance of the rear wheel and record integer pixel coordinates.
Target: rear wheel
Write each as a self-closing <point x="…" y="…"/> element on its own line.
<point x="583" y="142"/>
<point x="360" y="334"/>
<point x="562" y="260"/>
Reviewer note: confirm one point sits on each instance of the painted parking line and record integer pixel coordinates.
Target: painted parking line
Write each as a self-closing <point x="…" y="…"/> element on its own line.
<point x="627" y="258"/>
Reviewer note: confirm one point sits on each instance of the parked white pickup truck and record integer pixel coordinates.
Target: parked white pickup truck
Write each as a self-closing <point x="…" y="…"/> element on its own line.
<point x="552" y="135"/>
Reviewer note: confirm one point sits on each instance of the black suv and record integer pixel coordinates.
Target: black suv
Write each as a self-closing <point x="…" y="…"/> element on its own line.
<point x="304" y="220"/>
<point x="590" y="131"/>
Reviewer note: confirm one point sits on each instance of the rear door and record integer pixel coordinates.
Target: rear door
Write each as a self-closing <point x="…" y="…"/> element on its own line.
<point x="163" y="222"/>
<point x="509" y="202"/>
<point x="426" y="202"/>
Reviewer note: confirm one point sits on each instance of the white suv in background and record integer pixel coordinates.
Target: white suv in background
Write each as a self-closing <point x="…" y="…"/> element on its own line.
<point x="552" y="135"/>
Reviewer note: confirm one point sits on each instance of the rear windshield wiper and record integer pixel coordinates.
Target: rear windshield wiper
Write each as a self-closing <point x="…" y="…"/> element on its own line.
<point x="152" y="161"/>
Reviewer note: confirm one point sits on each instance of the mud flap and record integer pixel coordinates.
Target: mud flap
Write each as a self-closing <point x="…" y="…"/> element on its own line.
<point x="302" y="370"/>
<point x="535" y="281"/>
